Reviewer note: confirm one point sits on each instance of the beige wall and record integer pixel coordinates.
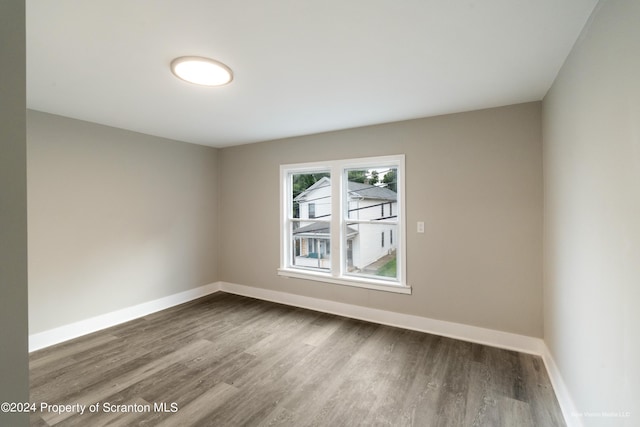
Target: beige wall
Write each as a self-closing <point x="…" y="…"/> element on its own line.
<point x="592" y="216"/>
<point x="116" y="218"/>
<point x="474" y="178"/>
<point x="14" y="375"/>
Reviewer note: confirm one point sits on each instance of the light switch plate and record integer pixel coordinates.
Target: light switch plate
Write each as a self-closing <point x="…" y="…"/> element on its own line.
<point x="420" y="226"/>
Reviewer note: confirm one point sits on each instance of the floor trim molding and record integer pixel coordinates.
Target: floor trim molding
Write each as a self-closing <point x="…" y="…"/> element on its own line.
<point x="83" y="327"/>
<point x="460" y="331"/>
<point x="568" y="407"/>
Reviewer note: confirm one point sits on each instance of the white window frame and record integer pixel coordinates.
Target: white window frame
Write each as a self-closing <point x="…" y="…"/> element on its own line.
<point x="338" y="250"/>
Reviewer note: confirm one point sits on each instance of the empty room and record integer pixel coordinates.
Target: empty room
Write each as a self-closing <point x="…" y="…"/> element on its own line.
<point x="337" y="213"/>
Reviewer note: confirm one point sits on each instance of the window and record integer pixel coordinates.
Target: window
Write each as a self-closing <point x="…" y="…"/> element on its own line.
<point x="334" y="217"/>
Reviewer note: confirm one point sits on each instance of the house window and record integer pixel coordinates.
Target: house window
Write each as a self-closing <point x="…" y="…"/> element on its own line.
<point x="334" y="221"/>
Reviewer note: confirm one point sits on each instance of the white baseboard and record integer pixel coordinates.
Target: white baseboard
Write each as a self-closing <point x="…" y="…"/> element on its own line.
<point x="475" y="334"/>
<point x="569" y="411"/>
<point x="73" y="330"/>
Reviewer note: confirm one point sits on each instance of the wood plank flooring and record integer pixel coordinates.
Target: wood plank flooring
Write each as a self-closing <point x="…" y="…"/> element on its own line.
<point x="227" y="360"/>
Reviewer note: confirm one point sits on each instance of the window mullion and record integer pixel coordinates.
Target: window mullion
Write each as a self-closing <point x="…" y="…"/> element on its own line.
<point x="336" y="221"/>
<point x="285" y="224"/>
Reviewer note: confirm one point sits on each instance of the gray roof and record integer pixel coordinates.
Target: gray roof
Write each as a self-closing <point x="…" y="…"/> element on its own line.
<point x="356" y="189"/>
<point x="319" y="228"/>
<point x="316" y="227"/>
<point x="368" y="191"/>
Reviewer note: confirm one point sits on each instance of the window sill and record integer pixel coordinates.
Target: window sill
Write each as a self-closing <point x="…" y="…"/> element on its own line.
<point x="378" y="285"/>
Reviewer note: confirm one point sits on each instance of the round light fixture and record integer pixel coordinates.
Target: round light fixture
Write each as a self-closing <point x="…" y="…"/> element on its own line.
<point x="201" y="71"/>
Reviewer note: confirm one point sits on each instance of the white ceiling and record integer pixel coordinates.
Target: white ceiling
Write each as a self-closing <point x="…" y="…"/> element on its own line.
<point x="300" y="66"/>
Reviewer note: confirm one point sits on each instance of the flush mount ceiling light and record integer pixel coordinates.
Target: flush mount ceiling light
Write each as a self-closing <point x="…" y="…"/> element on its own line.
<point x="201" y="71"/>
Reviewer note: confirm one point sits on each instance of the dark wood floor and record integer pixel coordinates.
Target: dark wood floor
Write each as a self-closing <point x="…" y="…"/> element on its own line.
<point x="227" y="360"/>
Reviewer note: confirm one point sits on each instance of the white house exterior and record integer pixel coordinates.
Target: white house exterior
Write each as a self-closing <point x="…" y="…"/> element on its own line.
<point x="367" y="243"/>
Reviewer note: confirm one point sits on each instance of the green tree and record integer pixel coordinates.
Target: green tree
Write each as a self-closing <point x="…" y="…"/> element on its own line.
<point x="374" y="177"/>
<point x="357" y="176"/>
<point x="391" y="179"/>
<point x="364" y="176"/>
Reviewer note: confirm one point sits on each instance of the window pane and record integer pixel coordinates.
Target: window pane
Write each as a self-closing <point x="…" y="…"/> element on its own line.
<point x="370" y="246"/>
<point x="311" y="195"/>
<point x="311" y="245"/>
<point x="310" y="239"/>
<point x="371" y="193"/>
<point x="370" y="250"/>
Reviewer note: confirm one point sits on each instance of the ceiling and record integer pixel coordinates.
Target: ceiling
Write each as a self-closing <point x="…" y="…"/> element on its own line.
<point x="300" y="66"/>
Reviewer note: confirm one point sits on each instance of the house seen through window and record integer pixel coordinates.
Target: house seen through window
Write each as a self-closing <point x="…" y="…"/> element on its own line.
<point x="336" y="216"/>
